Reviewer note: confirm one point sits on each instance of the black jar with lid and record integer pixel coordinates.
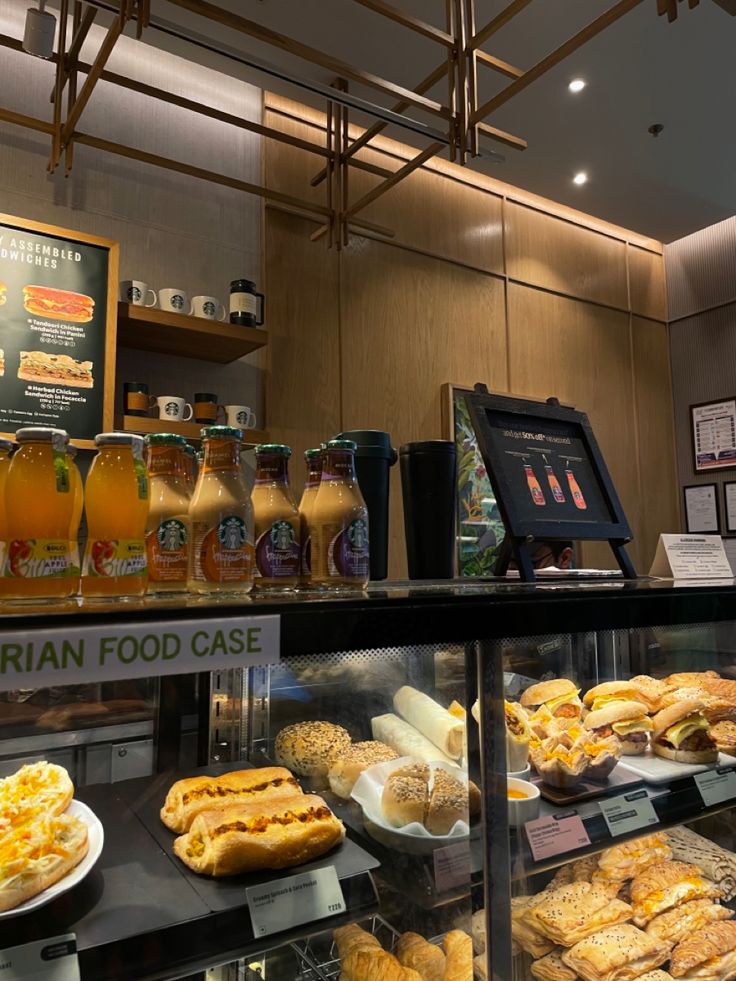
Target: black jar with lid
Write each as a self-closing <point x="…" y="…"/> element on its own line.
<point x="244" y="304"/>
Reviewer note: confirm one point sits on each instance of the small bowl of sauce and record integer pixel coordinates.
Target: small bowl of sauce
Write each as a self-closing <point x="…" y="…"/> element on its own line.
<point x="523" y="800"/>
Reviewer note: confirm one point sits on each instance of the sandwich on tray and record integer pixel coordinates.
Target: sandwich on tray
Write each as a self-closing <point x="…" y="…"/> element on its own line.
<point x="681" y="733"/>
<point x="559" y="696"/>
<point x="628" y="720"/>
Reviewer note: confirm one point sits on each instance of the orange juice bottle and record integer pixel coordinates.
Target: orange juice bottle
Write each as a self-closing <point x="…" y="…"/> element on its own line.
<point x="75" y="479"/>
<point x="577" y="494"/>
<point x="6" y="448"/>
<point x="533" y="484"/>
<point x="116" y="503"/>
<point x="39" y="507"/>
<point x="222" y="518"/>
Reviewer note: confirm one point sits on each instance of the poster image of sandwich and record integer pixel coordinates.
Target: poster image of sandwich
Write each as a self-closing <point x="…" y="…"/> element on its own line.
<point x="54" y="287"/>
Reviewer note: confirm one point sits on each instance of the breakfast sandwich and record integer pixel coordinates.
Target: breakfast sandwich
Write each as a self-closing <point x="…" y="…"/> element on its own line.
<point x="559" y="696"/>
<point x="610" y="692"/>
<point x="667" y="885"/>
<point x="678" y="923"/>
<point x="55" y="369"/>
<point x="708" y="955"/>
<point x="574" y="912"/>
<point x="681" y="733"/>
<point x="619" y="953"/>
<point x="621" y="862"/>
<point x="628" y="720"/>
<point x="58" y="304"/>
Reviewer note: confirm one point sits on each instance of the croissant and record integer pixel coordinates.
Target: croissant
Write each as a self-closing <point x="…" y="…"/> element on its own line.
<point x="425" y="958"/>
<point x="352" y="937"/>
<point x="459" y="950"/>
<point x="375" y="964"/>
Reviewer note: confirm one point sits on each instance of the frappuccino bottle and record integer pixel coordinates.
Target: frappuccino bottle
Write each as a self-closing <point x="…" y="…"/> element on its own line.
<point x="222" y="518"/>
<point x="313" y="459"/>
<point x="339" y="522"/>
<point x="168" y="534"/>
<point x="276" y="516"/>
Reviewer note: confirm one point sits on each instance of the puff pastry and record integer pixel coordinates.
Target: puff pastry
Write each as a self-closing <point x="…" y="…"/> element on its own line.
<point x="458" y="948"/>
<point x="708" y="955"/>
<point x="574" y="912"/>
<point x="264" y="835"/>
<point x="523" y="933"/>
<point x="621" y="862"/>
<point x="656" y="975"/>
<point x="678" y="923"/>
<point x="552" y="968"/>
<point x="619" y="953"/>
<point x="660" y="887"/>
<point x="425" y="958"/>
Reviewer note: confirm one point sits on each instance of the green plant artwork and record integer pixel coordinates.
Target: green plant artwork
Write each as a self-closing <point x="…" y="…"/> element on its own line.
<point x="480" y="529"/>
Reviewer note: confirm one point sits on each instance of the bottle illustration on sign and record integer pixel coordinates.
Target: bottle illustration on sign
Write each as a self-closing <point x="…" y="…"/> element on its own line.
<point x="577" y="494"/>
<point x="534" y="489"/>
<point x="554" y="484"/>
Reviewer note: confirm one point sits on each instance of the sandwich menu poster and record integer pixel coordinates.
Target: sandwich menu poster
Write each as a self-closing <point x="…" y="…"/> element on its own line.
<point x="57" y="328"/>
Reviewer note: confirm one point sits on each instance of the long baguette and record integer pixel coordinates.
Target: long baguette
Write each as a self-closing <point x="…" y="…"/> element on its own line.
<point x="37" y="854"/>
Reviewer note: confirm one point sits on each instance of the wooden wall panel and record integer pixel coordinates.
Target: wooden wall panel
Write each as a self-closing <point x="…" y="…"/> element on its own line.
<point x="558" y="255"/>
<point x="409" y="324"/>
<point x="646" y="282"/>
<point x="579" y="353"/>
<point x="659" y="509"/>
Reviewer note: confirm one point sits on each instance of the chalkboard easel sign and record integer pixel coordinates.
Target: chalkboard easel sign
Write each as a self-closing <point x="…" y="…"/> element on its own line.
<point x="548" y="475"/>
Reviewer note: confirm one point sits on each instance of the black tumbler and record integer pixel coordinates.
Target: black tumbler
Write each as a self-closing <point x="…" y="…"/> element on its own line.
<point x="428" y="485"/>
<point x="373" y="458"/>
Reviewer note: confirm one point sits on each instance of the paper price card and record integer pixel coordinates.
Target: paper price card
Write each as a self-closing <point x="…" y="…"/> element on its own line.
<point x="297" y="899"/>
<point x="629" y="812"/>
<point x="556" y="835"/>
<point x="715" y="786"/>
<point x="452" y="866"/>
<point x="54" y="959"/>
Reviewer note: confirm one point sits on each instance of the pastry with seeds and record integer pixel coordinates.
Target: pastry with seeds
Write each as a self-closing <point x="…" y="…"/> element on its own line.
<point x="620" y="953"/>
<point x="310" y="748"/>
<point x="574" y="912"/>
<point x="349" y="765"/>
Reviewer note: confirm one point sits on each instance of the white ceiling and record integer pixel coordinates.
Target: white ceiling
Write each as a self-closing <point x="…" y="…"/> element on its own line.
<point x="640" y="71"/>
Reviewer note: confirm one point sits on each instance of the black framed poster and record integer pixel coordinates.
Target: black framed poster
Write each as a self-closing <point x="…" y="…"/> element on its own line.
<point x="701" y="509"/>
<point x="57" y="329"/>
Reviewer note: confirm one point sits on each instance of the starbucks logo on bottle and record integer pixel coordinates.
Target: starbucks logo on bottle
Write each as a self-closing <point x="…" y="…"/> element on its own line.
<point x="172" y="535"/>
<point x="282" y="536"/>
<point x="177" y="301"/>
<point x="358" y="535"/>
<point x="209" y="308"/>
<point x="171" y="409"/>
<point x="231" y="533"/>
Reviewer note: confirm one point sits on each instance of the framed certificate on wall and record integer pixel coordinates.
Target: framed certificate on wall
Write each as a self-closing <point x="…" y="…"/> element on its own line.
<point x="729" y="500"/>
<point x="58" y="318"/>
<point x="713" y="426"/>
<point x="701" y="510"/>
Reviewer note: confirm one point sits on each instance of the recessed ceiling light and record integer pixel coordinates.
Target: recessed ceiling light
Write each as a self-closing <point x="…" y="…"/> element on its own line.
<point x="580" y="178"/>
<point x="577" y="85"/>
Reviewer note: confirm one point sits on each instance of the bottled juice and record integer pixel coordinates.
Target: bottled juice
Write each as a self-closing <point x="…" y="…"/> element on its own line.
<point x="339" y="522"/>
<point x="168" y="534"/>
<point x="276" y="517"/>
<point x="116" y="504"/>
<point x="6" y="448"/>
<point x="313" y="459"/>
<point x="78" y="493"/>
<point x="533" y="484"/>
<point x="577" y="494"/>
<point x="221" y="514"/>
<point x="554" y="485"/>
<point x="39" y="505"/>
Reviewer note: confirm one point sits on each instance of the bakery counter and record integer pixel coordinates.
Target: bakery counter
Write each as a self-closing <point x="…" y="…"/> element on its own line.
<point x="141" y="915"/>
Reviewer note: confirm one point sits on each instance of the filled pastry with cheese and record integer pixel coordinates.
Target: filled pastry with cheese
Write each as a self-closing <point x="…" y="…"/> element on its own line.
<point x="678" y="923"/>
<point x="708" y="955"/>
<point x="627" y="720"/>
<point x="523" y="933"/>
<point x="551" y="967"/>
<point x="664" y="886"/>
<point x="649" y="690"/>
<point x="560" y="762"/>
<point x="681" y="733"/>
<point x="610" y="692"/>
<point x="603" y="754"/>
<point x="621" y="862"/>
<point x="36" y="788"/>
<point x="686" y="679"/>
<point x="518" y="737"/>
<point x="559" y="696"/>
<point x="574" y="912"/>
<point x="618" y="953"/>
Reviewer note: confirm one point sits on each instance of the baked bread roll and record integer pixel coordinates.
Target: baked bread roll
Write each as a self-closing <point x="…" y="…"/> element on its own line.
<point x="574" y="912"/>
<point x="405" y="739"/>
<point x="458" y="948"/>
<point x="349" y="765"/>
<point x="475" y="801"/>
<point x="619" y="953"/>
<point x="188" y="798"/>
<point x="448" y="803"/>
<point x="669" y="884"/>
<point x="622" y="862"/>
<point x="309" y="748"/>
<point x="425" y="958"/>
<point x="406" y="795"/>
<point x="678" y="923"/>
<point x="441" y="728"/>
<point x="551" y="967"/>
<point x="716" y="863"/>
<point x="269" y="835"/>
<point x="708" y="955"/>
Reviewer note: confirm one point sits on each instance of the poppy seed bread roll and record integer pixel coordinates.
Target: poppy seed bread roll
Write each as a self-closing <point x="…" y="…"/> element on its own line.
<point x="309" y="748"/>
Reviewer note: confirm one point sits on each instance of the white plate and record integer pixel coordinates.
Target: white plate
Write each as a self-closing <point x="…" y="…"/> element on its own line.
<point x="658" y="770"/>
<point x="413" y="838"/>
<point x="96" y="841"/>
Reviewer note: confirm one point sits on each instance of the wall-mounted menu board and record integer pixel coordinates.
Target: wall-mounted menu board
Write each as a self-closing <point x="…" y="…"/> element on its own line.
<point x="57" y="328"/>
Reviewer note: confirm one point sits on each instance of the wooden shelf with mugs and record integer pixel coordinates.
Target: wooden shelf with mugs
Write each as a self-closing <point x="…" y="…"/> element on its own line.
<point x="164" y="332"/>
<point x="190" y="430"/>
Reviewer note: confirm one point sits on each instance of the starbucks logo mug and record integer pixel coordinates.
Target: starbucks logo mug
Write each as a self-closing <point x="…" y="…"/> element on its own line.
<point x="173" y="300"/>
<point x="240" y="416"/>
<point x="173" y="408"/>
<point x="135" y="292"/>
<point x="208" y="307"/>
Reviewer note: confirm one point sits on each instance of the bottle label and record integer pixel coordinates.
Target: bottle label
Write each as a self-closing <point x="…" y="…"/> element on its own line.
<point x="37" y="558"/>
<point x="223" y="552"/>
<point x="243" y="303"/>
<point x="347" y="552"/>
<point x="141" y="478"/>
<point x="115" y="558"/>
<point x="221" y="455"/>
<point x="164" y="462"/>
<point x="167" y="551"/>
<point x="61" y="471"/>
<point x="277" y="551"/>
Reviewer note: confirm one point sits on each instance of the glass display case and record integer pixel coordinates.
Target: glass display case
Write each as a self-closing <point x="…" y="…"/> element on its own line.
<point x="399" y="715"/>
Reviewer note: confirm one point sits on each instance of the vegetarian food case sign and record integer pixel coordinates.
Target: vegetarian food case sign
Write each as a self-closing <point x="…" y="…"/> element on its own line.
<point x="57" y="328"/>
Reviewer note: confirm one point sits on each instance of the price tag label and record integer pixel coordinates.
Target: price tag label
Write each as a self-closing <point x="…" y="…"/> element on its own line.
<point x="289" y="902"/>
<point x="629" y="812"/>
<point x="555" y="835"/>
<point x="54" y="959"/>
<point x="715" y="786"/>
<point x="452" y="866"/>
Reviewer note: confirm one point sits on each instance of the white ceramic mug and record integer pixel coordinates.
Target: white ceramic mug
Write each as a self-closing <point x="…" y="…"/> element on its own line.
<point x="135" y="292"/>
<point x="173" y="408"/>
<point x="173" y="300"/>
<point x="208" y="307"/>
<point x="240" y="416"/>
